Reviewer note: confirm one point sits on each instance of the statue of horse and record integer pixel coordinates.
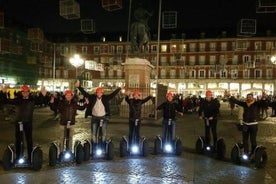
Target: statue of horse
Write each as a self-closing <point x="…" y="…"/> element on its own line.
<point x="139" y="37"/>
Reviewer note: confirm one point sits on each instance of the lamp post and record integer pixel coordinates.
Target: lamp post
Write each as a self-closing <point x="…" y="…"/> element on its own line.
<point x="76" y="61"/>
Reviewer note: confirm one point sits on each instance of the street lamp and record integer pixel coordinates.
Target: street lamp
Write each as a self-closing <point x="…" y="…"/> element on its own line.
<point x="76" y="61"/>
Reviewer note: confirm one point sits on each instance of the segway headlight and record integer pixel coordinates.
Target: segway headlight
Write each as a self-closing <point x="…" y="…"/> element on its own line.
<point x="67" y="156"/>
<point x="135" y="149"/>
<point x="99" y="152"/>
<point x="245" y="157"/>
<point x="168" y="148"/>
<point x="208" y="148"/>
<point x="21" y="161"/>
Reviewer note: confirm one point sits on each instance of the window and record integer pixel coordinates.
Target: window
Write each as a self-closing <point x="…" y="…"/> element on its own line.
<point x="202" y="60"/>
<point x="191" y="60"/>
<point x="212" y="59"/>
<point x="65" y="73"/>
<point x="192" y="47"/>
<point x="258" y="73"/>
<point x="163" y="60"/>
<point x="234" y="73"/>
<point x="182" y="73"/>
<point x="173" y="60"/>
<point x="154" y="48"/>
<point x="110" y="73"/>
<point x="212" y="73"/>
<point x="164" y="48"/>
<point x="172" y="73"/>
<point x="112" y="49"/>
<point x="192" y="74"/>
<point x="258" y="45"/>
<point x="96" y="50"/>
<point x="182" y="48"/>
<point x="201" y="74"/>
<point x="119" y="49"/>
<point x="163" y="73"/>
<point x="269" y="73"/>
<point x="246" y="74"/>
<point x="119" y="73"/>
<point x="212" y="46"/>
<point x="202" y="47"/>
<point x="269" y="45"/>
<point x="84" y="49"/>
<point x="223" y="46"/>
<point x="235" y="60"/>
<point x="223" y="73"/>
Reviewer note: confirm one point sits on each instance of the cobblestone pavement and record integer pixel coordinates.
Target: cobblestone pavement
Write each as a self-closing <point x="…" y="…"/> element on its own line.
<point x="187" y="168"/>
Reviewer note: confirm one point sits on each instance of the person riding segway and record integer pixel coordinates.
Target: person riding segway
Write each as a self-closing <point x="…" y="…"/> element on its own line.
<point x="168" y="142"/>
<point x="134" y="144"/>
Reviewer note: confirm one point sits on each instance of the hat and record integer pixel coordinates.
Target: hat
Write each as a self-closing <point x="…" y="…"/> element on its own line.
<point x="99" y="90"/>
<point x="68" y="92"/>
<point x="136" y="92"/>
<point x="169" y="94"/>
<point x="208" y="93"/>
<point x="25" y="88"/>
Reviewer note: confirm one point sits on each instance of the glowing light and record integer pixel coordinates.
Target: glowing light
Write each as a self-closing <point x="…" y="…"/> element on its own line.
<point x="168" y="148"/>
<point x="99" y="152"/>
<point x="134" y="149"/>
<point x="67" y="155"/>
<point x="208" y="148"/>
<point x="245" y="157"/>
<point x="21" y="160"/>
<point x="76" y="61"/>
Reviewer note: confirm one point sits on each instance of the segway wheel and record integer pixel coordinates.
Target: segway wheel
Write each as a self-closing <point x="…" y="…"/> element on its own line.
<point x="86" y="150"/>
<point x="235" y="155"/>
<point x="157" y="146"/>
<point x="110" y="151"/>
<point x="79" y="154"/>
<point x="145" y="149"/>
<point x="123" y="148"/>
<point x="178" y="147"/>
<point x="7" y="156"/>
<point x="53" y="155"/>
<point x="199" y="147"/>
<point x="260" y="158"/>
<point x="37" y="159"/>
<point x="220" y="148"/>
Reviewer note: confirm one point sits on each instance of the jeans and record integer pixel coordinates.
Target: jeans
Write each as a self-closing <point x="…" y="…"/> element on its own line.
<point x="249" y="131"/>
<point x="165" y="128"/>
<point x="131" y="130"/>
<point x="95" y="123"/>
<point x="210" y="125"/>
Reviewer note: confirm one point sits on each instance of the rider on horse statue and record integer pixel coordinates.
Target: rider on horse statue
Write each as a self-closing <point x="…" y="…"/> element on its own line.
<point x="139" y="29"/>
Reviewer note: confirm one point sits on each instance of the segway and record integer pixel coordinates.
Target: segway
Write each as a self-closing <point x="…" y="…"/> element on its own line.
<point x="136" y="146"/>
<point x="100" y="148"/>
<point x="9" y="157"/>
<point x="259" y="156"/>
<point x="167" y="144"/>
<point x="58" y="156"/>
<point x="202" y="147"/>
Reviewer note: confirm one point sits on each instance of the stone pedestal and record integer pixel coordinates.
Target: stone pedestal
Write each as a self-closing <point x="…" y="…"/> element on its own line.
<point x="137" y="76"/>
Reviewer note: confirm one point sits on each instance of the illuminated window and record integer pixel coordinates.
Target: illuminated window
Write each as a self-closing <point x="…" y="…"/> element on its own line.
<point x="202" y="47"/>
<point x="223" y="46"/>
<point x="163" y="48"/>
<point x="201" y="74"/>
<point x="213" y="46"/>
<point x="202" y="60"/>
<point x="84" y="49"/>
<point x="212" y="59"/>
<point x="192" y="47"/>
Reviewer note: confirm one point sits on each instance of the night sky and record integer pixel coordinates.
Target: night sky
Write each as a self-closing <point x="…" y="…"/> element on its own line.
<point x="193" y="16"/>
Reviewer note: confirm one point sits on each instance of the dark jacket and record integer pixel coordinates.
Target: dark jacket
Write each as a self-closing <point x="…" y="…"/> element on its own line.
<point x="68" y="111"/>
<point x="24" y="108"/>
<point x="3" y="97"/>
<point x="209" y="108"/>
<point x="170" y="109"/>
<point x="93" y="98"/>
<point x="135" y="106"/>
<point x="250" y="113"/>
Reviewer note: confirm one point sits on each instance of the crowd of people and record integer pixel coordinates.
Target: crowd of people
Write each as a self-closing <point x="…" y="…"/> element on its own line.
<point x="65" y="106"/>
